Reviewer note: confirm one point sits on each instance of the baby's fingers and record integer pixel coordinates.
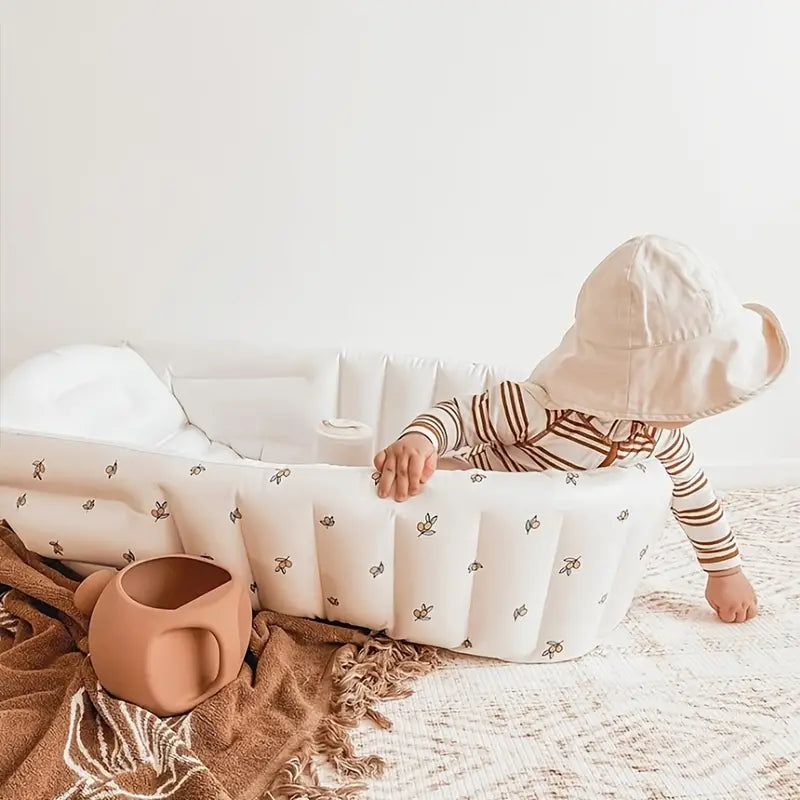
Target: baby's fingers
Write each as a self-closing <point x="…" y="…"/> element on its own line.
<point x="401" y="479"/>
<point x="380" y="460"/>
<point x="429" y="468"/>
<point x="752" y="611"/>
<point x="387" y="476"/>
<point x="416" y="463"/>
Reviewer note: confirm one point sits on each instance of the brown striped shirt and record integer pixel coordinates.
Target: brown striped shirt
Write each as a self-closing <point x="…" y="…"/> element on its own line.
<point x="506" y="428"/>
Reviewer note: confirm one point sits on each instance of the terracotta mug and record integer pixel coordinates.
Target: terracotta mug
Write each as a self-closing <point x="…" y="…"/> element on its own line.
<point x="166" y="633"/>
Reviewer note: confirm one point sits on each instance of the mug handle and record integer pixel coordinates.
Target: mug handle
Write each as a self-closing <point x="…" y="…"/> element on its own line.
<point x="229" y="662"/>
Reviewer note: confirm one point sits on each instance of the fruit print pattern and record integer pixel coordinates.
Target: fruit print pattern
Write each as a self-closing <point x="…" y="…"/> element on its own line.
<point x="570" y="564"/>
<point x="280" y="475"/>
<point x="282" y="564"/>
<point x="425" y="527"/>
<point x="376" y="570"/>
<point x="552" y="649"/>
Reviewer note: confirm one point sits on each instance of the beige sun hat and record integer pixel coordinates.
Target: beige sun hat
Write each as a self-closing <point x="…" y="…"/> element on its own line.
<point x="659" y="336"/>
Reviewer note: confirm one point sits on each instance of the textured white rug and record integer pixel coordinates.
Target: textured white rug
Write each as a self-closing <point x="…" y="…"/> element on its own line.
<point x="675" y="704"/>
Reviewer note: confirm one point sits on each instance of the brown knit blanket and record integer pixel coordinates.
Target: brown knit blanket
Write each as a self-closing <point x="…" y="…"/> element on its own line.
<point x="303" y="687"/>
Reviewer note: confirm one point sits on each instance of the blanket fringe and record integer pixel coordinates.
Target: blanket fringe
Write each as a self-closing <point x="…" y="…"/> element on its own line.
<point x="379" y="670"/>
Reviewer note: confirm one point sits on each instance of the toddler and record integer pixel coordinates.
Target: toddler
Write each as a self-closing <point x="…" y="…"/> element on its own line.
<point x="659" y="341"/>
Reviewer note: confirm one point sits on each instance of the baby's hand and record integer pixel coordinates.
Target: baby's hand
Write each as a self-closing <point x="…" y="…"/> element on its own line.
<point x="405" y="466"/>
<point x="730" y="594"/>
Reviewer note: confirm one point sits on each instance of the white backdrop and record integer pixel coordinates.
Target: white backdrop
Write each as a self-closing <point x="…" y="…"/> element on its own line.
<point x="432" y="177"/>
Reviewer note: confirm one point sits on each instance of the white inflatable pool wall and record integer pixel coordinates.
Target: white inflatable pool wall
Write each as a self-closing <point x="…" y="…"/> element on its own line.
<point x="530" y="567"/>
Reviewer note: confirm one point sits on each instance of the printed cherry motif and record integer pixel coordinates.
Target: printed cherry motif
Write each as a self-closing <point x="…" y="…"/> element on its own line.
<point x="376" y="570"/>
<point x="160" y="511"/>
<point x="425" y="527"/>
<point x="88" y="505"/>
<point x="423" y="613"/>
<point x="197" y="469"/>
<point x="327" y="522"/>
<point x="22" y="500"/>
<point x="57" y="548"/>
<point x="38" y="469"/>
<point x="235" y="514"/>
<point x="474" y="566"/>
<point x="129" y="556"/>
<point x="520" y="612"/>
<point x="282" y="564"/>
<point x="532" y="524"/>
<point x="553" y="648"/>
<point x="569" y="565"/>
<point x="280" y="475"/>
<point x="111" y="470"/>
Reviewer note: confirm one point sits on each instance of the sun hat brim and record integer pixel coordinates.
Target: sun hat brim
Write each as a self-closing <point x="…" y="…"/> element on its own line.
<point x="676" y="382"/>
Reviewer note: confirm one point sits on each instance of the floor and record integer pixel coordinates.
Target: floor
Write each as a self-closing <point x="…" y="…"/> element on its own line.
<point x="674" y="704"/>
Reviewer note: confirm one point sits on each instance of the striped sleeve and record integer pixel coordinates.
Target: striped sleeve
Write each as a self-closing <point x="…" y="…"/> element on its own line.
<point x="695" y="505"/>
<point x="504" y="414"/>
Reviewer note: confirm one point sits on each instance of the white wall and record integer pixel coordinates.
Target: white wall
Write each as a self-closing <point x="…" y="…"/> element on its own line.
<point x="426" y="176"/>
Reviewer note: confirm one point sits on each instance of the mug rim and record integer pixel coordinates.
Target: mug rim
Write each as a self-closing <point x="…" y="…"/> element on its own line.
<point x="178" y="556"/>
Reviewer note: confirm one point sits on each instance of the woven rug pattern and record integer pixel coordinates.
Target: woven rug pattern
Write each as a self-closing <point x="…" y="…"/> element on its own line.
<point x="674" y="705"/>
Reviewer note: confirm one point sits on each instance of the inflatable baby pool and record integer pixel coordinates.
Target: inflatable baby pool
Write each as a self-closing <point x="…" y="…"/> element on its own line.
<point x="111" y="454"/>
